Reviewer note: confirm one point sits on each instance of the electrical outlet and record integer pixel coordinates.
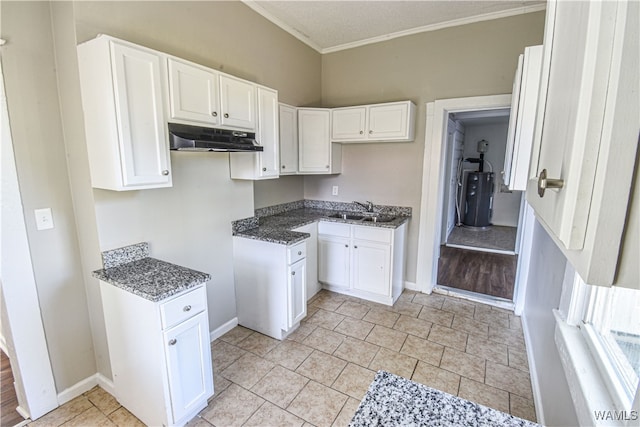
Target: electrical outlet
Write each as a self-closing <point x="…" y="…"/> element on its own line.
<point x="334" y="190"/>
<point x="44" y="219"/>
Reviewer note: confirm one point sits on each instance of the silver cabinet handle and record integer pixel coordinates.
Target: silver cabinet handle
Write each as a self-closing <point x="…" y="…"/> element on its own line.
<point x="370" y="132"/>
<point x="293" y="273"/>
<point x="173" y="341"/>
<point x="226" y="115"/>
<point x="165" y="172"/>
<point x="284" y="167"/>
<point x="299" y="252"/>
<point x="327" y="167"/>
<point x="187" y="308"/>
<point x="361" y="132"/>
<point x="544" y="183"/>
<point x="346" y="246"/>
<point x="355" y="247"/>
<point x="214" y="113"/>
<point x="264" y="169"/>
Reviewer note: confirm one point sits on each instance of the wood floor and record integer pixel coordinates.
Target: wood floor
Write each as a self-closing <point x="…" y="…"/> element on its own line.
<point x="481" y="272"/>
<point x="9" y="402"/>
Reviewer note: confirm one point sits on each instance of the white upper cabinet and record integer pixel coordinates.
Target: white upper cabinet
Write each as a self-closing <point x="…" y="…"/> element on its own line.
<point x="588" y="134"/>
<point x="317" y="155"/>
<point x="288" y="140"/>
<point x="263" y="164"/>
<point x="389" y="122"/>
<point x="524" y="100"/>
<point x="193" y="93"/>
<point x="123" y="96"/>
<point x="237" y="103"/>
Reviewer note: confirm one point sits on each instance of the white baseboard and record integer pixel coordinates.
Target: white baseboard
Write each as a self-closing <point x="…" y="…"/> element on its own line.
<point x="106" y="384"/>
<point x="24" y="414"/>
<point x="412" y="286"/>
<point x="3" y="345"/>
<point x="218" y="332"/>
<point x="85" y="385"/>
<point x="533" y="372"/>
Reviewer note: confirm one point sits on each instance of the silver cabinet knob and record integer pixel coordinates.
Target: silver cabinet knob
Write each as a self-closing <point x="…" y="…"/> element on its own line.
<point x="293" y="273"/>
<point x="327" y="167"/>
<point x="544" y="183"/>
<point x="284" y="167"/>
<point x="226" y="115"/>
<point x="355" y="247"/>
<point x="299" y="252"/>
<point x="361" y="132"/>
<point x="264" y="169"/>
<point x="370" y="132"/>
<point x="187" y="308"/>
<point x="214" y="113"/>
<point x="173" y="341"/>
<point x="346" y="246"/>
<point x="165" y="172"/>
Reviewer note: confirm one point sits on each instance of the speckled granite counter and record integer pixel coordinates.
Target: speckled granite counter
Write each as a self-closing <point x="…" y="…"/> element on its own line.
<point x="130" y="268"/>
<point x="395" y="401"/>
<point x="275" y="224"/>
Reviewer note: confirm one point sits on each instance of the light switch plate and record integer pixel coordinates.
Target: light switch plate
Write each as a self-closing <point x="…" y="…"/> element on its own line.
<point x="44" y="219"/>
<point x="334" y="190"/>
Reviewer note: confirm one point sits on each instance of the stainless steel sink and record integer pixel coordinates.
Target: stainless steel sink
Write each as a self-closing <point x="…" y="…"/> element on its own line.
<point x="347" y="216"/>
<point x="380" y="218"/>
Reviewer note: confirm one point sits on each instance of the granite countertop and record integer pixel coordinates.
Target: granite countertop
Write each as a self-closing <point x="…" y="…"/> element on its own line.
<point x="131" y="269"/>
<point x="276" y="228"/>
<point x="393" y="401"/>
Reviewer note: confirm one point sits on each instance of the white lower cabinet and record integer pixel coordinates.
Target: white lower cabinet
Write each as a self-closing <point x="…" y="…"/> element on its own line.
<point x="313" y="286"/>
<point x="270" y="282"/>
<point x="364" y="261"/>
<point x="160" y="354"/>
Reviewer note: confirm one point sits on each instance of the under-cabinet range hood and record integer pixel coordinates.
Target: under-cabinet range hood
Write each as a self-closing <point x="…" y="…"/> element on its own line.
<point x="197" y="138"/>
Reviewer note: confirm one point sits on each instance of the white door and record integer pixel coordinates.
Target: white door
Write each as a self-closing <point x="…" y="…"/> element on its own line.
<point x="297" y="293"/>
<point x="333" y="261"/>
<point x="188" y="356"/>
<point x="193" y="93"/>
<point x="288" y="140"/>
<point x="144" y="144"/>
<point x="389" y="121"/>
<point x="370" y="266"/>
<point x="314" y="143"/>
<point x="267" y="136"/>
<point x="238" y="103"/>
<point x="348" y="124"/>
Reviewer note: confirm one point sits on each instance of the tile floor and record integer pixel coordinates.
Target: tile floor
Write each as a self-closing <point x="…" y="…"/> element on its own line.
<point x="321" y="372"/>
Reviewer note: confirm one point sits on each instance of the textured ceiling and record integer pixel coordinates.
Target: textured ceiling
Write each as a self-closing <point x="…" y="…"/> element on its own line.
<point x="333" y="25"/>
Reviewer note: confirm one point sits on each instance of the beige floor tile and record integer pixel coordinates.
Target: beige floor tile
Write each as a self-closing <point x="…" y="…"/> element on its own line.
<point x="354" y="328"/>
<point x="258" y="344"/>
<point x="317" y="404"/>
<point x="448" y="337"/>
<point x="233" y="407"/>
<point x="324" y="340"/>
<point x="105" y="402"/>
<point x="482" y="347"/>
<point x="413" y="326"/>
<point x="220" y="383"/>
<point x="328" y="301"/>
<point x="407" y="308"/>
<point x="123" y="418"/>
<point x="303" y="331"/>
<point x="326" y="319"/>
<point x="515" y="322"/>
<point x="424" y="350"/>
<point x="270" y="415"/>
<point x="64" y="413"/>
<point x="91" y="417"/>
<point x="470" y="325"/>
<point x="394" y="362"/>
<point x="236" y="335"/>
<point x="386" y="337"/>
<point x="382" y="317"/>
<point x="434" y="315"/>
<point x="509" y="379"/>
<point x="354" y="381"/>
<point x="356" y="351"/>
<point x="289" y="354"/>
<point x="353" y="309"/>
<point x="458" y="306"/>
<point x="483" y="394"/>
<point x="224" y="354"/>
<point x="522" y="408"/>
<point x="463" y="364"/>
<point x="321" y="367"/>
<point x="510" y="337"/>
<point x="407" y="295"/>
<point x="430" y="300"/>
<point x="518" y="359"/>
<point x="484" y="313"/>
<point x="346" y="414"/>
<point x="198" y="421"/>
<point x="436" y="378"/>
<point x="280" y="386"/>
<point x="247" y="370"/>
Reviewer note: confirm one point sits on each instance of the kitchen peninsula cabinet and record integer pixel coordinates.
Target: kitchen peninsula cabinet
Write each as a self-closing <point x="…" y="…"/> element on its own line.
<point x="388" y="122"/>
<point x="317" y="155"/>
<point x="123" y="97"/>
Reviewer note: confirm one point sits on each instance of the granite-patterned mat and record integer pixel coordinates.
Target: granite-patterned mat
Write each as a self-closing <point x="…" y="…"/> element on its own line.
<point x="395" y="401"/>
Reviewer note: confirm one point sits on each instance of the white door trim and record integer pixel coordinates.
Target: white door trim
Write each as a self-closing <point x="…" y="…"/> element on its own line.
<point x="431" y="204"/>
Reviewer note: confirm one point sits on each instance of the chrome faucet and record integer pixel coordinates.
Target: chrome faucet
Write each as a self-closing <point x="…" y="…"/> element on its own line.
<point x="368" y="206"/>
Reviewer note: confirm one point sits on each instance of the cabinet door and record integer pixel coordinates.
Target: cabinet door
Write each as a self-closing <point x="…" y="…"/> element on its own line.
<point x="296" y="293"/>
<point x="314" y="142"/>
<point x="237" y="103"/>
<point x="348" y="124"/>
<point x="193" y="93"/>
<point x="188" y="355"/>
<point x="288" y="140"/>
<point x="389" y="121"/>
<point x="144" y="145"/>
<point x="371" y="267"/>
<point x="333" y="261"/>
<point x="268" y="127"/>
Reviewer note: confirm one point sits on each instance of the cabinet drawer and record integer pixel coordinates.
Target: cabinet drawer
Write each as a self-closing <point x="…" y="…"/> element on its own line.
<point x="183" y="307"/>
<point x="334" y="229"/>
<point x="296" y="252"/>
<point x="374" y="234"/>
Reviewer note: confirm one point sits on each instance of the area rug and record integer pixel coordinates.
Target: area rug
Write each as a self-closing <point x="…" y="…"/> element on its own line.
<point x="395" y="401"/>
